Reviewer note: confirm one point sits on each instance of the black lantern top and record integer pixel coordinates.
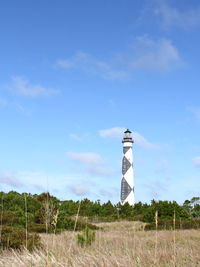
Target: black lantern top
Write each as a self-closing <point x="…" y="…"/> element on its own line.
<point x="127" y="136"/>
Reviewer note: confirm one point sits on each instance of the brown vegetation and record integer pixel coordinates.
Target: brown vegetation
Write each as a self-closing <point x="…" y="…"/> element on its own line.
<point x="114" y="246"/>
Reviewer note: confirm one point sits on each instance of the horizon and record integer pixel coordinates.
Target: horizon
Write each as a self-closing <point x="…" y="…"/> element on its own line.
<point x="75" y="75"/>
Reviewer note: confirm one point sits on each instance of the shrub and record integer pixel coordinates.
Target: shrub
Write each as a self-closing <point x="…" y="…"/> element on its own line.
<point x="86" y="237"/>
<point x="16" y="238"/>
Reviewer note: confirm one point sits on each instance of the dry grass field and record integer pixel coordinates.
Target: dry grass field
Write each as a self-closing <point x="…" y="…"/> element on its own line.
<point x="119" y="244"/>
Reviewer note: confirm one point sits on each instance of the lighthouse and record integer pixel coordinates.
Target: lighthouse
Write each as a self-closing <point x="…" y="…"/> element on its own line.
<point x="127" y="182"/>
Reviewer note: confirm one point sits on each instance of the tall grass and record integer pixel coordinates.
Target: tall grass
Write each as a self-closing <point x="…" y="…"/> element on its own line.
<point x="113" y="246"/>
<point x="174" y="237"/>
<point x="156" y="240"/>
<point x="1" y="222"/>
<point x="75" y="223"/>
<point x="26" y="219"/>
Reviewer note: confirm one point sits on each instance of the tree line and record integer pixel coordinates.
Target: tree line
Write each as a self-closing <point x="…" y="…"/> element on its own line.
<point x="42" y="211"/>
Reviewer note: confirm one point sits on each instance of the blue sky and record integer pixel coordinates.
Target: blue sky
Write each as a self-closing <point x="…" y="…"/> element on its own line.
<point x="74" y="74"/>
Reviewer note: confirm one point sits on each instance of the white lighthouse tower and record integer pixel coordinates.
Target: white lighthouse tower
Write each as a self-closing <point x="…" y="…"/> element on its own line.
<point x="127" y="183"/>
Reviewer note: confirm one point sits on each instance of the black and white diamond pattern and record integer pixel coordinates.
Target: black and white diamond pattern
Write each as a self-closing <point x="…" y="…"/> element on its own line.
<point x="125" y="149"/>
<point x="127" y="175"/>
<point x="125" y="165"/>
<point x="125" y="189"/>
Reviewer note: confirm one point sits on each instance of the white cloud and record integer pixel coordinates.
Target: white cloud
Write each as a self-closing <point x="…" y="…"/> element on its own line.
<point x="87" y="158"/>
<point x="79" y="190"/>
<point x="152" y="54"/>
<point x="90" y="64"/>
<point x="21" y="86"/>
<point x="57" y="183"/>
<point x="197" y="161"/>
<point x="79" y="60"/>
<point x="141" y="141"/>
<point x="117" y="132"/>
<point x="9" y="179"/>
<point x="144" y="53"/>
<point x="173" y="17"/>
<point x="93" y="163"/>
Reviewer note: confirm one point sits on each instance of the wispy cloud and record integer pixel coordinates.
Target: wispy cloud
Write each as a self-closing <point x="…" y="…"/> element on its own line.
<point x="79" y="190"/>
<point x="89" y="64"/>
<point x="150" y="54"/>
<point x="87" y="158"/>
<point x="141" y="141"/>
<point x="23" y="87"/>
<point x="8" y="178"/>
<point x="197" y="161"/>
<point x="117" y="132"/>
<point x="171" y="16"/>
<point x="93" y="163"/>
<point x="144" y="53"/>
